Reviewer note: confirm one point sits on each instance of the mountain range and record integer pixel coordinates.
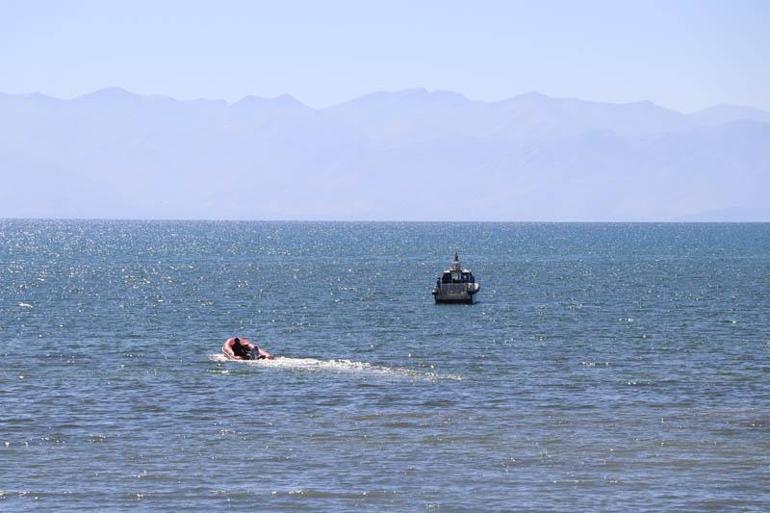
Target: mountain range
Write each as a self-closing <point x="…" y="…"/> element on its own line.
<point x="408" y="155"/>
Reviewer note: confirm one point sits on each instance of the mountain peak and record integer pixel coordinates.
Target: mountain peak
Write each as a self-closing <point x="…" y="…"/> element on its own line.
<point x="108" y="93"/>
<point x="422" y="93"/>
<point x="287" y="99"/>
<point x="414" y="92"/>
<point x="36" y="96"/>
<point x="414" y="96"/>
<point x="284" y="102"/>
<point x="533" y="94"/>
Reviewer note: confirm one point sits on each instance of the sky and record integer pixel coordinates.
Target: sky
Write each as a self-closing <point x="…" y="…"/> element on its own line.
<point x="684" y="55"/>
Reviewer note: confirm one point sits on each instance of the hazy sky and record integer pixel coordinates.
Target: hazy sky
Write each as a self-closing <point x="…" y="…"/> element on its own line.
<point x="681" y="54"/>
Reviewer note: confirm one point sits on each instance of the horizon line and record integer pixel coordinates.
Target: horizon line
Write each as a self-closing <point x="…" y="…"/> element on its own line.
<point x="375" y="221"/>
<point x="412" y="90"/>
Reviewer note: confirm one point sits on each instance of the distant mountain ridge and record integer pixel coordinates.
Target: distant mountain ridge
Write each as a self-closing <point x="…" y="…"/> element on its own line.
<point x="406" y="155"/>
<point x="720" y="114"/>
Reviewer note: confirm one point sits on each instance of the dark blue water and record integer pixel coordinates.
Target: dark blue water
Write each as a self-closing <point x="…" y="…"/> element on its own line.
<point x="606" y="367"/>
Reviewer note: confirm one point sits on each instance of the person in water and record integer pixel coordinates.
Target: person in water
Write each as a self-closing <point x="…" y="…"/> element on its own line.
<point x="241" y="349"/>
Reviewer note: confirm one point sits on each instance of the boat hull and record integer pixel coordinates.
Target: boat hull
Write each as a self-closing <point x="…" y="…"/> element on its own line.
<point x="455" y="293"/>
<point x="456" y="301"/>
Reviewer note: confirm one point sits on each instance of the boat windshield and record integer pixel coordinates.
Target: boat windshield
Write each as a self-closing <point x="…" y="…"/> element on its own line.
<point x="457" y="277"/>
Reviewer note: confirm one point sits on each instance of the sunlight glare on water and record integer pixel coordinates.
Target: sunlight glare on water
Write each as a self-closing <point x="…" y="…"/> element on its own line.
<point x="605" y="367"/>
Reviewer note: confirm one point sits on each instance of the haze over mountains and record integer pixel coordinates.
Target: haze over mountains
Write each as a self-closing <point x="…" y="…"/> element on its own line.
<point x="409" y="155"/>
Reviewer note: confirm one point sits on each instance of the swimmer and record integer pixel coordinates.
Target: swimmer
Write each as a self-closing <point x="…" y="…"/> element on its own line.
<point x="236" y="348"/>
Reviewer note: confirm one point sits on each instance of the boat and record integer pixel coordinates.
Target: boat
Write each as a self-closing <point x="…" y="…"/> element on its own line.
<point x="455" y="285"/>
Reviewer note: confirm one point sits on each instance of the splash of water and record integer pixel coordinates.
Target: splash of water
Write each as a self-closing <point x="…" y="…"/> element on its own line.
<point x="350" y="366"/>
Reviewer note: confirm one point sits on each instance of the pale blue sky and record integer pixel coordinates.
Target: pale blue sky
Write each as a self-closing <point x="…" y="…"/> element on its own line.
<point x="684" y="55"/>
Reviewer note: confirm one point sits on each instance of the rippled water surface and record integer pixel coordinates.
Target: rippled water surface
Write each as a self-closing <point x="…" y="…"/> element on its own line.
<point x="605" y="367"/>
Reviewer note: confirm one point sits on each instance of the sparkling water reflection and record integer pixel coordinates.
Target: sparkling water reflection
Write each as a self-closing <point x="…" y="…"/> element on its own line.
<point x="606" y="367"/>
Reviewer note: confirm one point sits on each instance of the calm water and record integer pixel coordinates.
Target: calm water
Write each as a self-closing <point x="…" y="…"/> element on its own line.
<point x="606" y="367"/>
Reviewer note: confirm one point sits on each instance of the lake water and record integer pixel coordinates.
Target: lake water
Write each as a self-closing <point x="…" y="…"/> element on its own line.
<point x="605" y="367"/>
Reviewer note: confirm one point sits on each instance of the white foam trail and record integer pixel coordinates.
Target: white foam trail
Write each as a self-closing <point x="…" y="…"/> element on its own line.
<point x="313" y="364"/>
